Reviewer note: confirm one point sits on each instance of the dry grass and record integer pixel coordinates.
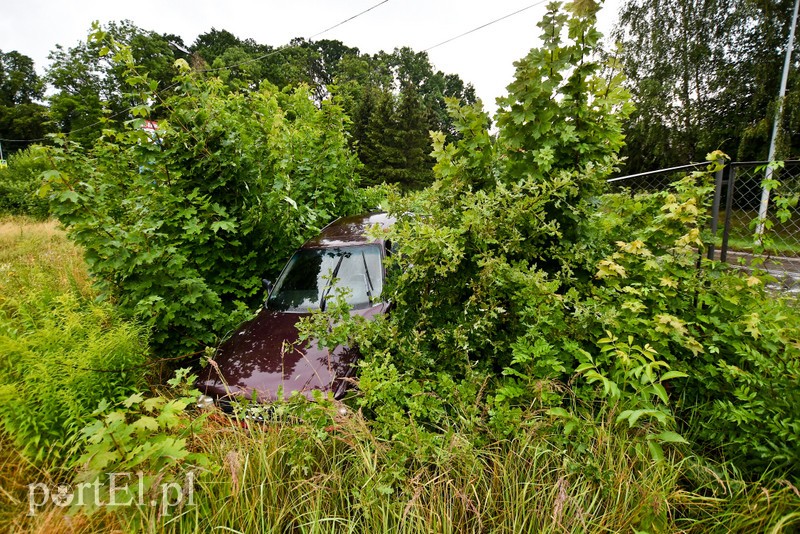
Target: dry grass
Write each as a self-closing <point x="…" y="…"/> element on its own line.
<point x="36" y="256"/>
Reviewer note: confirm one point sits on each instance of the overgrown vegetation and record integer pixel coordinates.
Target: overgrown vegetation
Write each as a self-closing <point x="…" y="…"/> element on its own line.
<point x="557" y="358"/>
<point x="62" y="352"/>
<point x="333" y="474"/>
<point x="519" y="283"/>
<point x="73" y="389"/>
<point x="19" y="186"/>
<point x="181" y="226"/>
<point x="393" y="98"/>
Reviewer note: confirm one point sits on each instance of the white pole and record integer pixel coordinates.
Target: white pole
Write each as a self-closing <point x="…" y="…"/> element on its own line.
<point x="762" y="209"/>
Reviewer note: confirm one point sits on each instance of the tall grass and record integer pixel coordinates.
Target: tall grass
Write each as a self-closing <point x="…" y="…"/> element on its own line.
<point x="36" y="258"/>
<point x="286" y="477"/>
<point x="61" y="352"/>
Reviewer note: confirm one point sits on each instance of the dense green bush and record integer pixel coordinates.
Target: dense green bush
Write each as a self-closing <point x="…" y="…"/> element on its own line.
<point x="736" y="340"/>
<point x="20" y="183"/>
<point x="522" y="287"/>
<point x="180" y="227"/>
<point x="58" y="364"/>
<point x="480" y="328"/>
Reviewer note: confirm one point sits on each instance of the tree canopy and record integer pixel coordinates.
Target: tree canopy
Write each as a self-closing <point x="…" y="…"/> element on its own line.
<point x="704" y="75"/>
<point x="21" y="116"/>
<point x="87" y="90"/>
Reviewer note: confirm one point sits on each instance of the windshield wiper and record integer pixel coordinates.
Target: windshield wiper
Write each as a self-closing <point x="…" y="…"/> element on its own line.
<point x="369" y="279"/>
<point x="334" y="274"/>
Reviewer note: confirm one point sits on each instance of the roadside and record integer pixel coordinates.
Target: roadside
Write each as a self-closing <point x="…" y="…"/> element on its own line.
<point x="786" y="270"/>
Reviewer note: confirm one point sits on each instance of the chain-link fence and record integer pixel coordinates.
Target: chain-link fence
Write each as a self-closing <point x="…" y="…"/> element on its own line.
<point x="746" y="222"/>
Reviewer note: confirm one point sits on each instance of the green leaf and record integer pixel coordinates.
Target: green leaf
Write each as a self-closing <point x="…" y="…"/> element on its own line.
<point x="145" y="424"/>
<point x="670" y="437"/>
<point x="70" y="196"/>
<point x="659" y="390"/>
<point x="669" y="375"/>
<point x="559" y="412"/>
<point x="656" y="452"/>
<point x="136" y="398"/>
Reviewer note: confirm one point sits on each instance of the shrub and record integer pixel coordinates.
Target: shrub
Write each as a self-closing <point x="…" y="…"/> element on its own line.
<point x="180" y="228"/>
<point x="734" y="339"/>
<point x="19" y="185"/>
<point x="519" y="282"/>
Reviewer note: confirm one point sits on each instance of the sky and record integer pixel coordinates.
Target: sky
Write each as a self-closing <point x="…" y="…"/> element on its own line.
<point x="483" y="58"/>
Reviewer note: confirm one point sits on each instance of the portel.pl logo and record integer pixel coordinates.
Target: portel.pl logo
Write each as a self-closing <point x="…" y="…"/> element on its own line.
<point x="119" y="489"/>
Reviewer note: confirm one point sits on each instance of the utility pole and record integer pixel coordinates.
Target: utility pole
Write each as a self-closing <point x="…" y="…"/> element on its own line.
<point x="762" y="209"/>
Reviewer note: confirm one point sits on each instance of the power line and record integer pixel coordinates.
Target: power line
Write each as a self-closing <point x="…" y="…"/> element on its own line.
<point x="348" y="20"/>
<point x="485" y="25"/>
<point x="279" y="50"/>
<point x="22" y="140"/>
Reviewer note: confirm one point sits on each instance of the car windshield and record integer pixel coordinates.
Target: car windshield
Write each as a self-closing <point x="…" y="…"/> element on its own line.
<point x="305" y="282"/>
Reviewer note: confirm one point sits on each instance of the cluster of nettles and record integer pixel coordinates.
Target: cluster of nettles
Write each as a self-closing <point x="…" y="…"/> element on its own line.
<point x="523" y="290"/>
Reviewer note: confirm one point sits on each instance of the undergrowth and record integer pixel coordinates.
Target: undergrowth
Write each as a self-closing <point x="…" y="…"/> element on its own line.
<point x="332" y="474"/>
<point x="557" y="359"/>
<point x="62" y="352"/>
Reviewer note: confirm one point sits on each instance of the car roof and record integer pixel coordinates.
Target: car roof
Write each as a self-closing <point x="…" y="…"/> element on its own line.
<point x="350" y="230"/>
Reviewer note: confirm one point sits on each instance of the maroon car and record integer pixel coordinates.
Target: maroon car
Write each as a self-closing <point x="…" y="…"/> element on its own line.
<point x="265" y="357"/>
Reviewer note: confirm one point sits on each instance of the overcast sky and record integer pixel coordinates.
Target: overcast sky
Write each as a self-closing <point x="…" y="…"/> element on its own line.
<point x="484" y="58"/>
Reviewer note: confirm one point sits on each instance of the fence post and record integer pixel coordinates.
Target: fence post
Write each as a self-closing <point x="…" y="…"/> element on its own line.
<point x="764" y="206"/>
<point x="715" y="211"/>
<point x="723" y="253"/>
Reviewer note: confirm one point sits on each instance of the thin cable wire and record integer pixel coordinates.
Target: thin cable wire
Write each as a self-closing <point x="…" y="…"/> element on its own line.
<point x="22" y="140"/>
<point x="246" y="61"/>
<point x="485" y="25"/>
<point x="279" y="50"/>
<point x="348" y="20"/>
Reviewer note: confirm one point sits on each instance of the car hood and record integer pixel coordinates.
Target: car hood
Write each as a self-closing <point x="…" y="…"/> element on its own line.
<point x="265" y="355"/>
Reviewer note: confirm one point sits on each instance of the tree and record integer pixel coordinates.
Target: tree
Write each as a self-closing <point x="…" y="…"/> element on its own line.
<point x="413" y="69"/>
<point x="90" y="89"/>
<point x="394" y="101"/>
<point x="181" y="230"/>
<point x="396" y="148"/>
<point x="21" y="117"/>
<point x="704" y="75"/>
<point x="90" y="86"/>
<point x="19" y="83"/>
<point x="214" y="43"/>
<point x="22" y="122"/>
<point x="373" y="150"/>
<point x="757" y="97"/>
<point x="412" y="139"/>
